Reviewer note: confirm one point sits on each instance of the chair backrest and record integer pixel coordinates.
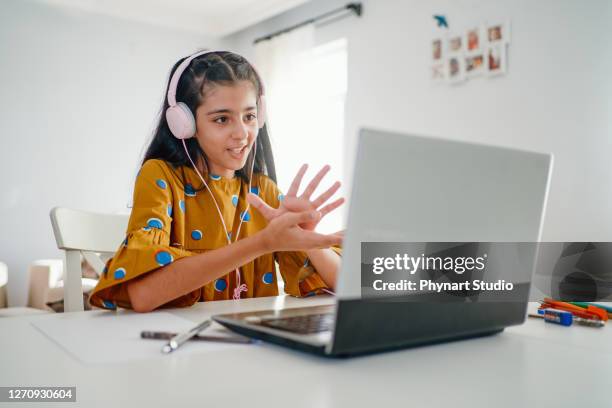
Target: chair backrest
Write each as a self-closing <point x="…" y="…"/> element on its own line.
<point x="88" y="234"/>
<point x="3" y="282"/>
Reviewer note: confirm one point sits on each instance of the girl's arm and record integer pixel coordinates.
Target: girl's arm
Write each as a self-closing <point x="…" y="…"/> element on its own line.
<point x="327" y="264"/>
<point x="187" y="274"/>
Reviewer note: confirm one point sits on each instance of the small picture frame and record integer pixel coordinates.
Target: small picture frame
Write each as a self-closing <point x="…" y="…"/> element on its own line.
<point x="495" y="58"/>
<point x="455" y="43"/>
<point x="437" y="51"/>
<point x="498" y="32"/>
<point x="474" y="39"/>
<point x="438" y="72"/>
<point x="455" y="68"/>
<point x="475" y="65"/>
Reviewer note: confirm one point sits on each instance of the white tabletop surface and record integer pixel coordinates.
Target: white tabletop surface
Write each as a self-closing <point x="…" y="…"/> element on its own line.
<point x="532" y="365"/>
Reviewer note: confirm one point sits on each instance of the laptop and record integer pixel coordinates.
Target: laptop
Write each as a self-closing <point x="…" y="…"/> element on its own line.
<point x="408" y="188"/>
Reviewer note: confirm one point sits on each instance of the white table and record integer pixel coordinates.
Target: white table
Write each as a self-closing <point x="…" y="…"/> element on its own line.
<point x="525" y="366"/>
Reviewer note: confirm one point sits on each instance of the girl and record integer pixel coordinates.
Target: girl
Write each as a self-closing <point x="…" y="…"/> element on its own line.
<point x="192" y="235"/>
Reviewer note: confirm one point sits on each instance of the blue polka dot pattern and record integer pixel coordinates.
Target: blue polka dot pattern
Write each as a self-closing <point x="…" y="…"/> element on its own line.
<point x="119" y="273"/>
<point x="306" y="262"/>
<point x="146" y="228"/>
<point x="182" y="205"/>
<point x="245" y="216"/>
<point x="163" y="258"/>
<point x="281" y="197"/>
<point x="220" y="285"/>
<point x="196" y="234"/>
<point x="169" y="210"/>
<point x="268" y="278"/>
<point x="125" y="241"/>
<point x="255" y="190"/>
<point x="229" y="235"/>
<point x="215" y="177"/>
<point x="189" y="190"/>
<point x="161" y="184"/>
<point x="234" y="200"/>
<point x="108" y="304"/>
<point x="155" y="223"/>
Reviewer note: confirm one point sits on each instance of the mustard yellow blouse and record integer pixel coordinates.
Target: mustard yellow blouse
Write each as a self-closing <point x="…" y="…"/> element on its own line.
<point x="173" y="216"/>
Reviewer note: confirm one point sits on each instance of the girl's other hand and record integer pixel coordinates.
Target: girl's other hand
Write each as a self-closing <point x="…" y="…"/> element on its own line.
<point x="293" y="203"/>
<point x="283" y="233"/>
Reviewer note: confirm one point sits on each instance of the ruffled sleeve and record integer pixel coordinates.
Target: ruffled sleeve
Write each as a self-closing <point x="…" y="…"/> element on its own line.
<point x="300" y="276"/>
<point x="147" y="243"/>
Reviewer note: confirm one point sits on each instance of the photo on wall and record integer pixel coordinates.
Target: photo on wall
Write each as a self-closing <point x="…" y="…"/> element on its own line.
<point x="438" y="72"/>
<point x="473" y="39"/>
<point x="456" y="68"/>
<point x="474" y="65"/>
<point x="455" y="43"/>
<point x="496" y="59"/>
<point x="480" y="50"/>
<point x="498" y="32"/>
<point x="436" y="49"/>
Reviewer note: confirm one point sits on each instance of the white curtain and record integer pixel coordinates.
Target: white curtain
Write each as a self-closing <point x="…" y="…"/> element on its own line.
<point x="305" y="93"/>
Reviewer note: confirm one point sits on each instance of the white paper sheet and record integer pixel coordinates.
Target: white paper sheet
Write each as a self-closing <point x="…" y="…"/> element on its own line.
<point x="108" y="337"/>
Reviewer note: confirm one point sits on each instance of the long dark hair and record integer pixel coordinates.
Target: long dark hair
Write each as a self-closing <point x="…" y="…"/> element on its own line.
<point x="224" y="68"/>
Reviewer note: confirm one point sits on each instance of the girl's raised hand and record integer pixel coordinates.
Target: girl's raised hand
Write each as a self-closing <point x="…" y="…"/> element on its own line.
<point x="293" y="203"/>
<point x="283" y="233"/>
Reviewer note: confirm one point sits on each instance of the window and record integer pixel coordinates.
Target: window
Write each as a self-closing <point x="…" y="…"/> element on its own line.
<point x="306" y="93"/>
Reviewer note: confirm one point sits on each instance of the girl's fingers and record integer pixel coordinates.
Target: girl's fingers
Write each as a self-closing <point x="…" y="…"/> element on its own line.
<point x="287" y="236"/>
<point x="295" y="184"/>
<point x="339" y="233"/>
<point x="312" y="186"/>
<point x="326" y="195"/>
<point x="332" y="206"/>
<point x="294" y="218"/>
<point x="340" y="237"/>
<point x="261" y="206"/>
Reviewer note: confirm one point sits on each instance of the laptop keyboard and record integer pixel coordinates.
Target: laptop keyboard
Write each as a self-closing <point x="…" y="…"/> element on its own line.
<point x="305" y="324"/>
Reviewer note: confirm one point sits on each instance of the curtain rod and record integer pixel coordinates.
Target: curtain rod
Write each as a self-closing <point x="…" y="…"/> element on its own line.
<point x="350" y="7"/>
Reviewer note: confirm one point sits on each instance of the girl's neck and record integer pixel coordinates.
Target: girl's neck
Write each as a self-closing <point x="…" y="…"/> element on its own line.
<point x="225" y="173"/>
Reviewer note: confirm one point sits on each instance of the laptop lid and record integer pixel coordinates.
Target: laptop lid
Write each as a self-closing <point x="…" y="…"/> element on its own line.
<point x="420" y="189"/>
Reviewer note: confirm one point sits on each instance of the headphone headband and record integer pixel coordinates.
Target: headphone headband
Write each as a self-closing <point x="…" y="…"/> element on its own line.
<point x="172" y="87"/>
<point x="180" y="119"/>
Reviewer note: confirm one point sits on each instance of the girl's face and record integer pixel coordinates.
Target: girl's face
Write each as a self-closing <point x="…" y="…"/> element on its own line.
<point x="226" y="126"/>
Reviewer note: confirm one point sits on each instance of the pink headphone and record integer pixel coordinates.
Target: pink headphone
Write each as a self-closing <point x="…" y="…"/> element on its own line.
<point x="180" y="119"/>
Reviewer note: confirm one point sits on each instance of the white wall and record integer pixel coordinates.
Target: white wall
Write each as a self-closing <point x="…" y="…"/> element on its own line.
<point x="555" y="98"/>
<point x="79" y="97"/>
<point x="80" y="92"/>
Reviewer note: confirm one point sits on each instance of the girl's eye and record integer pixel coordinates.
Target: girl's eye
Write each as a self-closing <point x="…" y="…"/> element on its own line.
<point x="221" y="119"/>
<point x="251" y="116"/>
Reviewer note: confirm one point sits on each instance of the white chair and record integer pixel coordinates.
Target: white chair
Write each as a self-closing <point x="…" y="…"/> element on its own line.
<point x="94" y="236"/>
<point x="46" y="284"/>
<point x="12" y="311"/>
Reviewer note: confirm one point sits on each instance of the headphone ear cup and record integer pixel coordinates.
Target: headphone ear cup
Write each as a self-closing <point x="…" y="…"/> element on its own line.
<point x="181" y="121"/>
<point x="261" y="111"/>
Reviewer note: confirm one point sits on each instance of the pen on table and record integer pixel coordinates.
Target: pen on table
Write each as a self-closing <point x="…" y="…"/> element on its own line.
<point x="585" y="305"/>
<point x="589" y="312"/>
<point x="178" y="340"/>
<point x="161" y="335"/>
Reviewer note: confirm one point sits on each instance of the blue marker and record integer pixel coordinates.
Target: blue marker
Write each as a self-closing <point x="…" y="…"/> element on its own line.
<point x="566" y="318"/>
